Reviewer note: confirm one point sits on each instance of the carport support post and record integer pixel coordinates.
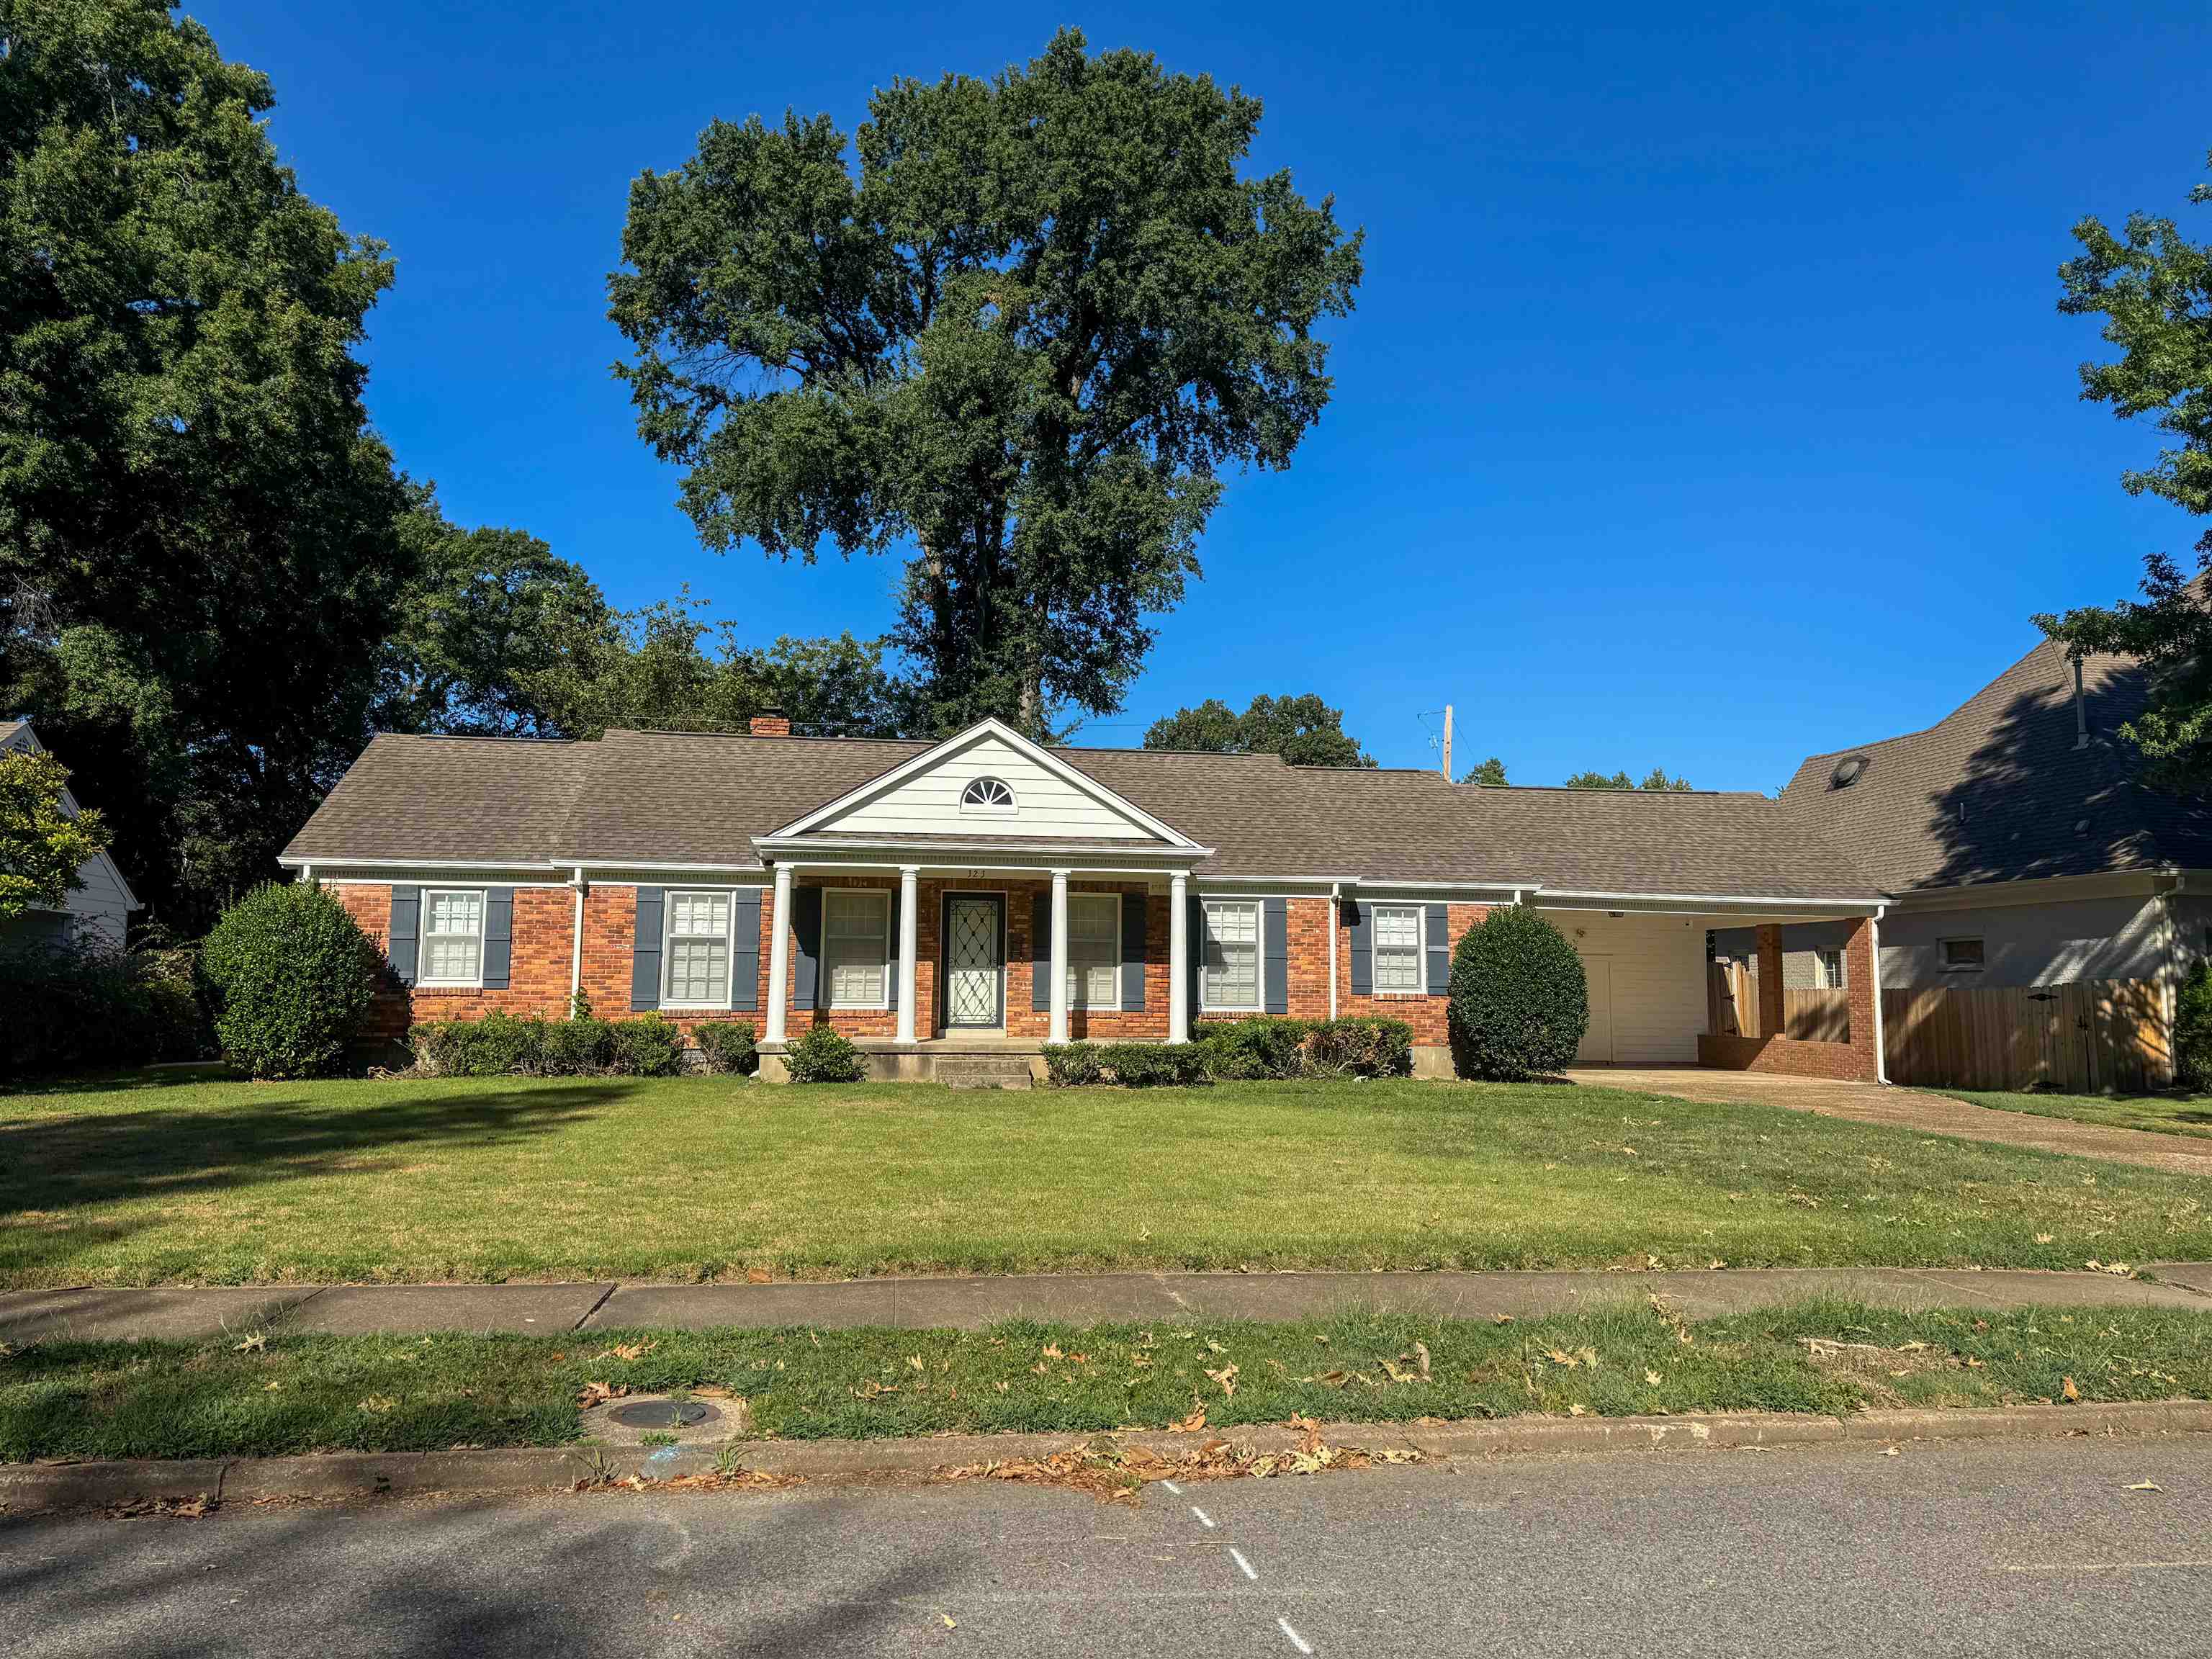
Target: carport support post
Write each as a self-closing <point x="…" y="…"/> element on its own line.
<point x="778" y="955"/>
<point x="910" y="887"/>
<point x="1770" y="1017"/>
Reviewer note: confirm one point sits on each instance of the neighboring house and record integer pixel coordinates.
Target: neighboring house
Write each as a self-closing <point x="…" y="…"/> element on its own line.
<point x="98" y="914"/>
<point x="983" y="895"/>
<point x="2015" y="841"/>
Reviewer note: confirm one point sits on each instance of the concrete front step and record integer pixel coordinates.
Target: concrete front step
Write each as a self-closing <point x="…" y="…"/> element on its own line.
<point x="982" y="1071"/>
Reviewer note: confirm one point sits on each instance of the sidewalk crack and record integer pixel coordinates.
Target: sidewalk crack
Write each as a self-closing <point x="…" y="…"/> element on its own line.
<point x="595" y="1307"/>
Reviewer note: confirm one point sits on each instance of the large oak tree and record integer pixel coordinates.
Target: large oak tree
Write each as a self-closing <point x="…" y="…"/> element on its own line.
<point x="1025" y="337"/>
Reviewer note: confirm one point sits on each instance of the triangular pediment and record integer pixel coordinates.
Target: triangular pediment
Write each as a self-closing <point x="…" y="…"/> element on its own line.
<point x="989" y="783"/>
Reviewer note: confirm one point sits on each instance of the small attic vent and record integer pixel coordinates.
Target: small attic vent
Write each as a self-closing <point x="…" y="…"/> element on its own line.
<point x="1848" y="772"/>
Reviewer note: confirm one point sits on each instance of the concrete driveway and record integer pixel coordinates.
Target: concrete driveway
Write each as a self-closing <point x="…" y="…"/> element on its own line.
<point x="1917" y="1109"/>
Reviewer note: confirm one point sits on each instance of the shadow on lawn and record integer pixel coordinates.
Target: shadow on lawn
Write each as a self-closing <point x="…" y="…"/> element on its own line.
<point x="50" y="1166"/>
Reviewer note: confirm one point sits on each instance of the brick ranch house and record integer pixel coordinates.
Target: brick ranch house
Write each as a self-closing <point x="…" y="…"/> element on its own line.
<point x="953" y="902"/>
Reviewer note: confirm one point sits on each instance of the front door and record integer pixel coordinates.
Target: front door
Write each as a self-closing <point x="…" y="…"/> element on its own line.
<point x="975" y="961"/>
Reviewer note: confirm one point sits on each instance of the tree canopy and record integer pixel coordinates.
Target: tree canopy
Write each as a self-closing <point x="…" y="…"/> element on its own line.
<point x="42" y="844"/>
<point x="1656" y="778"/>
<point x="1490" y="773"/>
<point x="1026" y="337"/>
<point x="2154" y="289"/>
<point x="1304" y="729"/>
<point x="199" y="559"/>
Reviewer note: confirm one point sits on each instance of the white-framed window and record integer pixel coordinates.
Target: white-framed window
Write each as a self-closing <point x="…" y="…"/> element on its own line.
<point x="988" y="795"/>
<point x="1828" y="967"/>
<point x="452" y="936"/>
<point x="1229" y="982"/>
<point x="696" y="954"/>
<point x="1961" y="955"/>
<point x="856" y="947"/>
<point x="1094" y="950"/>
<point x="1398" y="960"/>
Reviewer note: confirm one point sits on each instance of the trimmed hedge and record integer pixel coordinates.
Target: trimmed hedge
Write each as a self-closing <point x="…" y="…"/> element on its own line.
<point x="506" y="1045"/>
<point x="1243" y="1050"/>
<point x="728" y="1046"/>
<point x="1520" y="1001"/>
<point x="76" y="1008"/>
<point x="822" y="1054"/>
<point x="290" y="978"/>
<point x="2192" y="1028"/>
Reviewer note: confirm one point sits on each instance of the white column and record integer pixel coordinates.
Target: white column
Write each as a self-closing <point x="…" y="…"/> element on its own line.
<point x="576" y="942"/>
<point x="1178" y="958"/>
<point x="1880" y="1036"/>
<point x="910" y="901"/>
<point x="1058" y="1030"/>
<point x="778" y="955"/>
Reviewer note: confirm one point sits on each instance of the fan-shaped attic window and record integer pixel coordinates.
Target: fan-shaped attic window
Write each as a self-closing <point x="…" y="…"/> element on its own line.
<point x="986" y="795"/>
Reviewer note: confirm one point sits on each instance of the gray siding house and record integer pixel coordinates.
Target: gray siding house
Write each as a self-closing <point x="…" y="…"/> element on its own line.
<point x="2017" y="840"/>
<point x="97" y="915"/>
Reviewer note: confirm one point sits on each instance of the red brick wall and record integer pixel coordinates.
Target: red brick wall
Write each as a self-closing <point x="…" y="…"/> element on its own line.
<point x="1427" y="1015"/>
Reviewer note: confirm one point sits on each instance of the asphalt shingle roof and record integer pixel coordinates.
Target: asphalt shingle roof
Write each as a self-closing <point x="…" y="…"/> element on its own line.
<point x="673" y="797"/>
<point x="1997" y="791"/>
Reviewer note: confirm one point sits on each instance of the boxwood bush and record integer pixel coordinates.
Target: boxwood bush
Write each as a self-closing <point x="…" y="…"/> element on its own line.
<point x="291" y="978"/>
<point x="1240" y="1051"/>
<point x="1520" y="1002"/>
<point x="1262" y="1048"/>
<point x="822" y="1054"/>
<point x="510" y="1045"/>
<point x="1362" y="1046"/>
<point x="728" y="1046"/>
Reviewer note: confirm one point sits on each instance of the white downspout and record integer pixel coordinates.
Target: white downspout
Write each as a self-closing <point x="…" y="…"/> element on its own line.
<point x="577" y="943"/>
<point x="1335" y="920"/>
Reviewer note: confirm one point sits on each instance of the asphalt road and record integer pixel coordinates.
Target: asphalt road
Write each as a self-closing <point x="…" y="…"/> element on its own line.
<point x="1970" y="1549"/>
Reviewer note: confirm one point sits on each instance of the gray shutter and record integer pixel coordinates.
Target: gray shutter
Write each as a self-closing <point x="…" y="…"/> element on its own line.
<point x="1132" y="953"/>
<point x="403" y="943"/>
<point x="1193" y="939"/>
<point x="645" y="950"/>
<point x="1438" y="922"/>
<point x="806" y="937"/>
<point x="1040" y="952"/>
<point x="499" y="936"/>
<point x="891" y="955"/>
<point x="744" y="949"/>
<point x="1275" y="955"/>
<point x="1363" y="947"/>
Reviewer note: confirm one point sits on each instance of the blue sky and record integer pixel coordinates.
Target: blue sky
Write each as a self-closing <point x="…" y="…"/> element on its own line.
<point x="1706" y="403"/>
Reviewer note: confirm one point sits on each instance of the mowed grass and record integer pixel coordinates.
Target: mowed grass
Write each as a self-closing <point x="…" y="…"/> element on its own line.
<point x="2171" y="1114"/>
<point x="142" y="1182"/>
<point x="396" y="1393"/>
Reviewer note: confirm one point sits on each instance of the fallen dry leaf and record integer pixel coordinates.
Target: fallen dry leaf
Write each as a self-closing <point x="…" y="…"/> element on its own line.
<point x="2068" y="1391"/>
<point x="631" y="1352"/>
<point x="597" y="1393"/>
<point x="1653" y="1378"/>
<point x="872" y="1390"/>
<point x="2146" y="1486"/>
<point x="758" y="1276"/>
<point x="1227" y="1376"/>
<point x="1192" y="1423"/>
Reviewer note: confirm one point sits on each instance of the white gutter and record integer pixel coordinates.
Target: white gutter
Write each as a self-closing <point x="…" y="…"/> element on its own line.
<point x="1863" y="906"/>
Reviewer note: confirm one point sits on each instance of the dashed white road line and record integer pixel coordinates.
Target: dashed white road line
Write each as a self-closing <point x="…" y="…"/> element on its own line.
<point x="1296" y="1640"/>
<point x="1237" y="1556"/>
<point x="1172" y="1488"/>
<point x="1204" y="1519"/>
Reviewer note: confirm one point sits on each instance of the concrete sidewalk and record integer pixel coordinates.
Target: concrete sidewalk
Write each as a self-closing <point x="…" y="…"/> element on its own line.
<point x="105" y="1313"/>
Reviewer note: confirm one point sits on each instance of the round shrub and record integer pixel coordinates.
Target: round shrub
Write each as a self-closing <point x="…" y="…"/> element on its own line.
<point x="822" y="1054"/>
<point x="1520" y="1003"/>
<point x="290" y="978"/>
<point x="728" y="1046"/>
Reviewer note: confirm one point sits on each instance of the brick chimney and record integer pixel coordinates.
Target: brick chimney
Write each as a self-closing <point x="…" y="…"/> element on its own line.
<point x="771" y="723"/>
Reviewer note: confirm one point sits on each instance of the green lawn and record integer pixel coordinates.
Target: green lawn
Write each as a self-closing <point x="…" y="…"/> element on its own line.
<point x="2173" y="1113"/>
<point x="394" y="1394"/>
<point x="144" y="1183"/>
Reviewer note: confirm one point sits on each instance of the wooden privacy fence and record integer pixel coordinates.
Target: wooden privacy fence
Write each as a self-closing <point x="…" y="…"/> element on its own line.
<point x="1809" y="1016"/>
<point x="1817" y="1016"/>
<point x="2081" y="1038"/>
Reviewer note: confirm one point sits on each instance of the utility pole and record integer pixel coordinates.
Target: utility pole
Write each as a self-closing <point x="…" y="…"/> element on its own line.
<point x="1448" y="771"/>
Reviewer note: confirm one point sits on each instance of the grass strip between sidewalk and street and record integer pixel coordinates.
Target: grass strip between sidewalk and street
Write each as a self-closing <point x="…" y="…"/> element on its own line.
<point x="255" y="1394"/>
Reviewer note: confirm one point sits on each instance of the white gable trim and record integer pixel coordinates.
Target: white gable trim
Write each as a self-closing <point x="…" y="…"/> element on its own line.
<point x="929" y="759"/>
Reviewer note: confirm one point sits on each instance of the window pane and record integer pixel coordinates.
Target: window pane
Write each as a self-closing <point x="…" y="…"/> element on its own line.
<point x="856" y="942"/>
<point x="1398" y="949"/>
<point x="1094" y="950"/>
<point x="701" y="913"/>
<point x="456" y="913"/>
<point x="698" y="970"/>
<point x="451" y="958"/>
<point x="1231" y="978"/>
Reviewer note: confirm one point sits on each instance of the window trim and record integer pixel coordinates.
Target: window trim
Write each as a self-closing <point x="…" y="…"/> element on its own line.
<point x="1830" y="980"/>
<point x="1421" y="913"/>
<point x="1259" y="1003"/>
<point x="1943" y="953"/>
<point x="668" y="936"/>
<point x="423" y="936"/>
<point x="1000" y="809"/>
<point x="1080" y="1005"/>
<point x="827" y="996"/>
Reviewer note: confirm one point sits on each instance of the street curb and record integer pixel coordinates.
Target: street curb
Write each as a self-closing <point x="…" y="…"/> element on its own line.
<point x="557" y="1468"/>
